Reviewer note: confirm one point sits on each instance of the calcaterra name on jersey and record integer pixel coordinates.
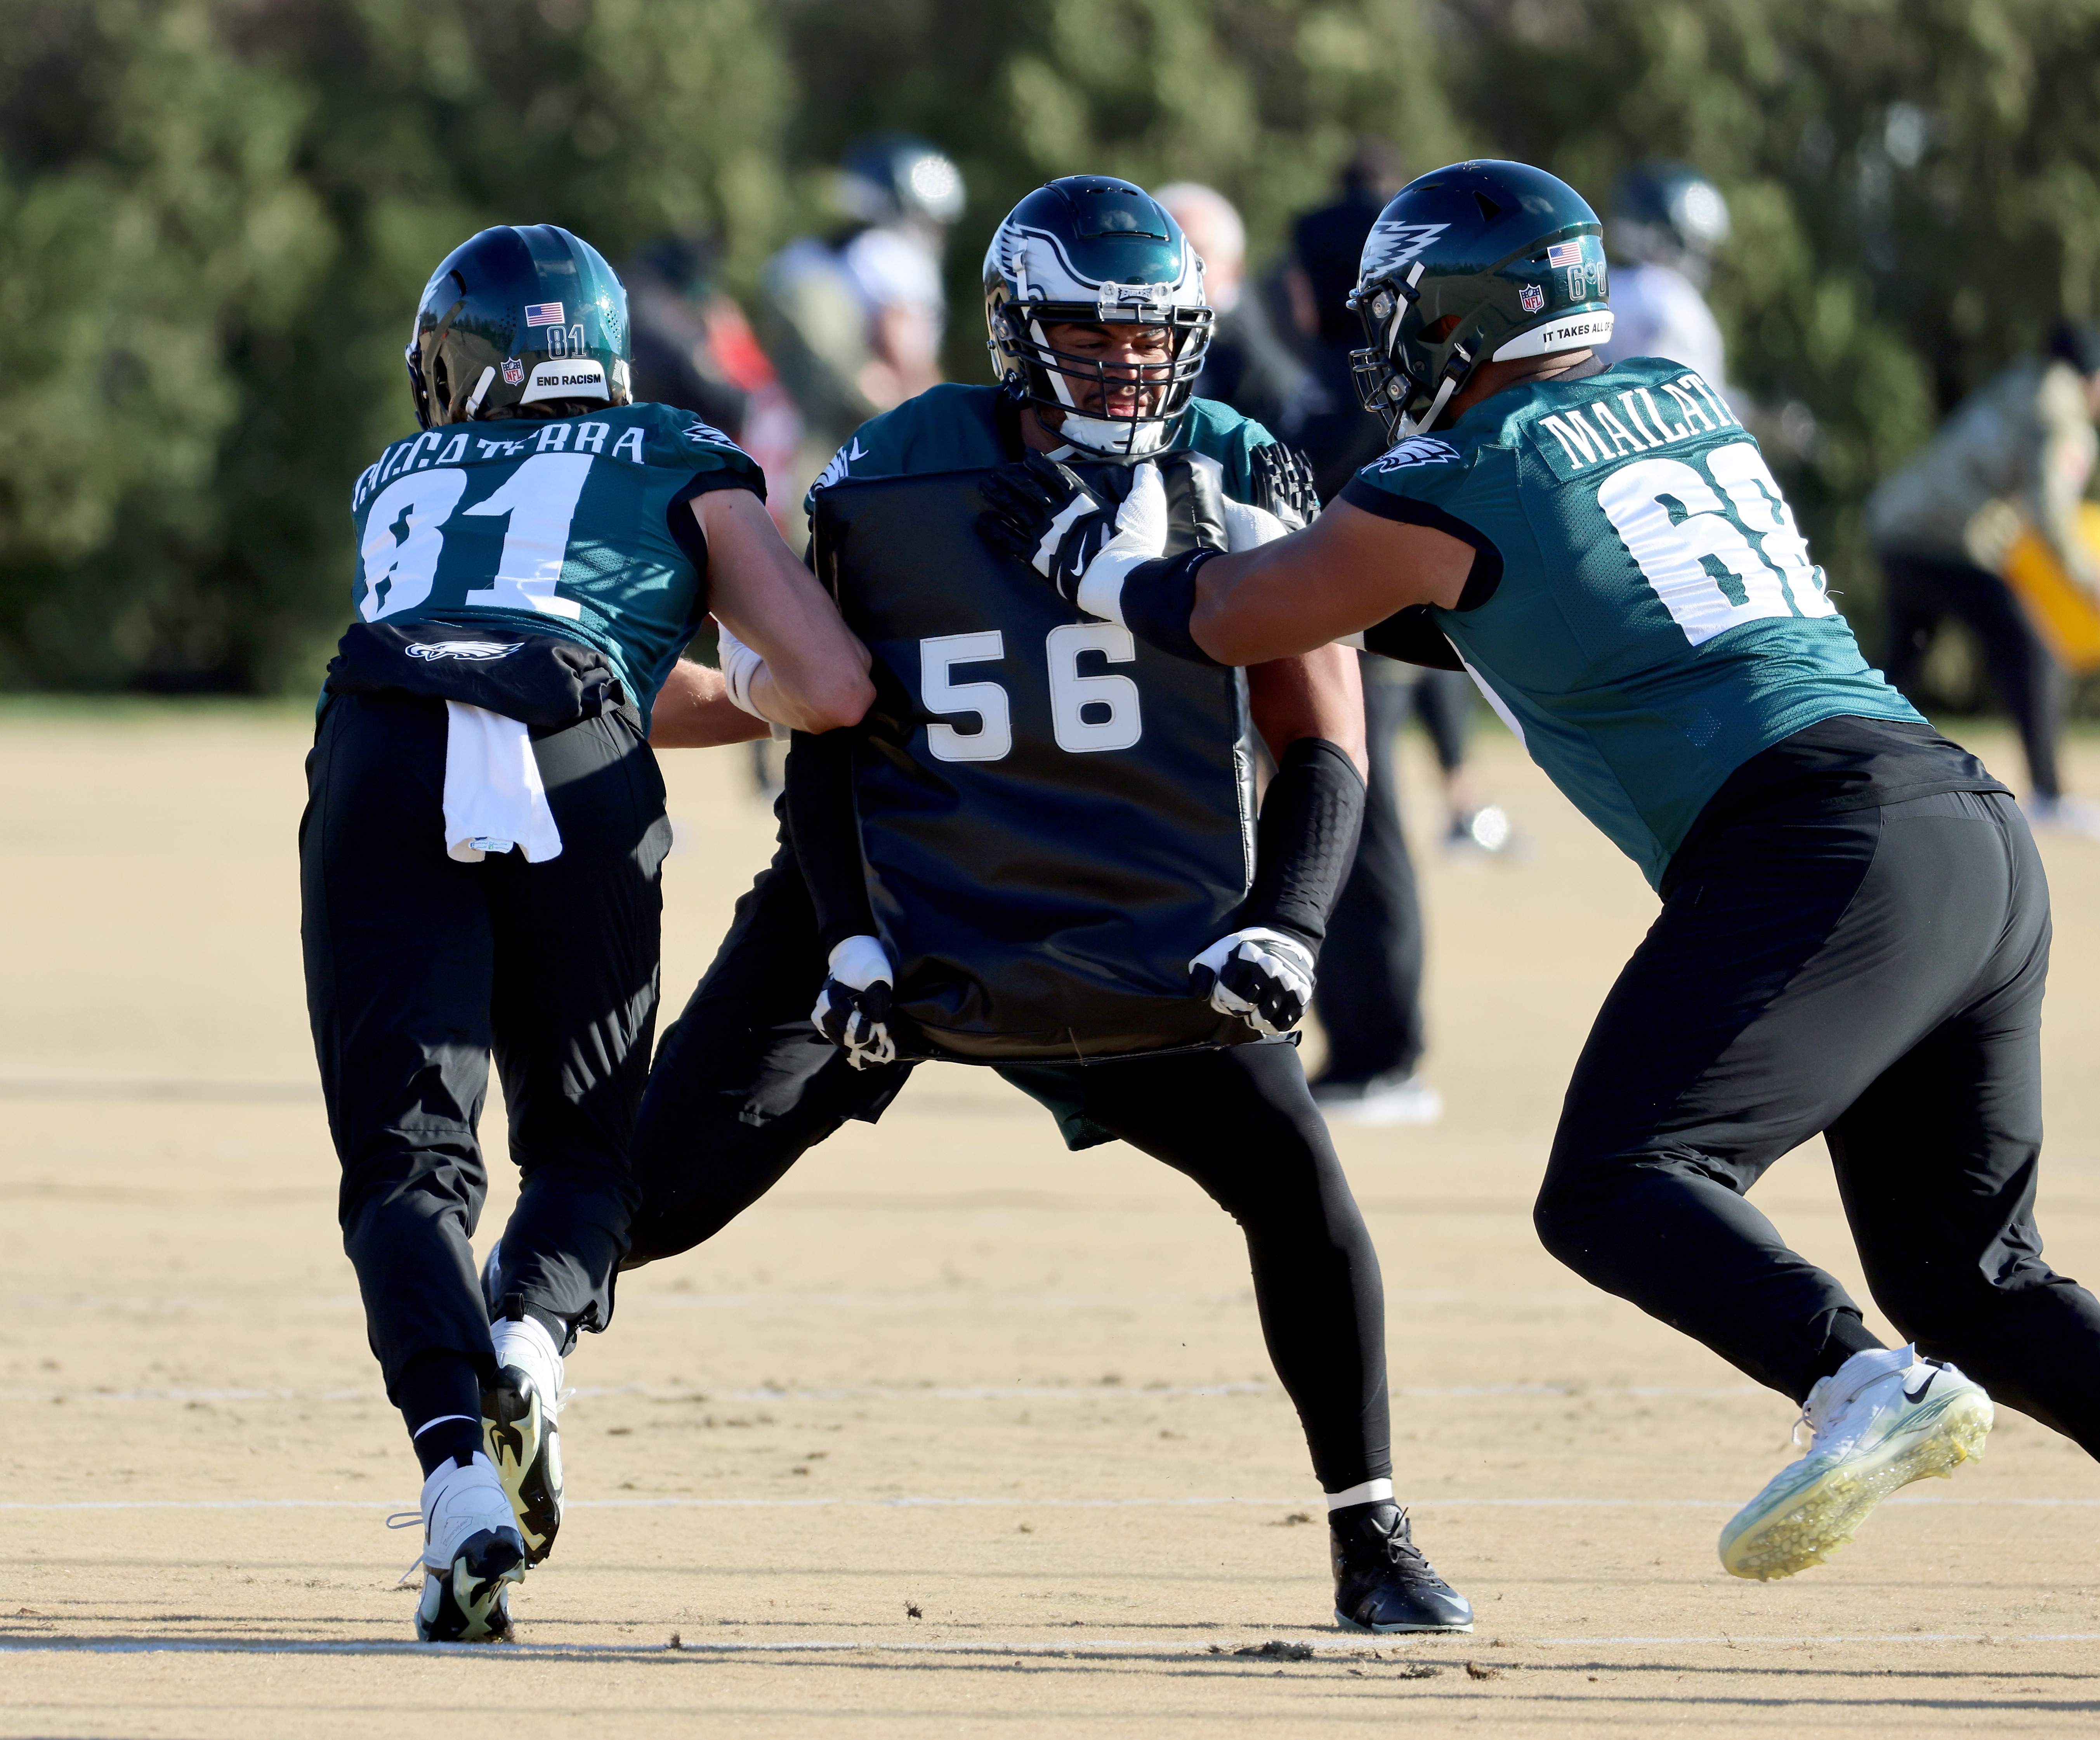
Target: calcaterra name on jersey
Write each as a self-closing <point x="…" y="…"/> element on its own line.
<point x="453" y="447"/>
<point x="1693" y="408"/>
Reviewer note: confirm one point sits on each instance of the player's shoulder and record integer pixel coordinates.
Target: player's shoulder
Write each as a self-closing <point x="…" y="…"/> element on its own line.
<point x="1217" y="431"/>
<point x="950" y="427"/>
<point x="678" y="440"/>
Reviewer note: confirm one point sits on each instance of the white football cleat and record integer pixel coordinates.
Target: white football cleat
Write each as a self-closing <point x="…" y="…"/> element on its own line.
<point x="518" y="1412"/>
<point x="472" y="1551"/>
<point x="1882" y="1420"/>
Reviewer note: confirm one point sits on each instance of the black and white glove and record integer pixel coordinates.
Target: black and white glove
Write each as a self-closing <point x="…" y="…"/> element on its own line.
<point x="1261" y="975"/>
<point x="1283" y="485"/>
<point x="1041" y="511"/>
<point x="853" y="1010"/>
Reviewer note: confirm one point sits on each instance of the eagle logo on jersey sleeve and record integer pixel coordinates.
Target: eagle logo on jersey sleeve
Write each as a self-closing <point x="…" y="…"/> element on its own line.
<point x="1417" y="449"/>
<point x="706" y="433"/>
<point x="841" y="462"/>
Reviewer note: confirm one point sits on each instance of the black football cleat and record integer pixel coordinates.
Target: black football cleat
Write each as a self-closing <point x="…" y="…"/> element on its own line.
<point x="1381" y="1581"/>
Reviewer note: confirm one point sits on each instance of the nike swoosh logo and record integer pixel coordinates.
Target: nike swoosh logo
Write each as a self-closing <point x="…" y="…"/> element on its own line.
<point x="1919" y="1396"/>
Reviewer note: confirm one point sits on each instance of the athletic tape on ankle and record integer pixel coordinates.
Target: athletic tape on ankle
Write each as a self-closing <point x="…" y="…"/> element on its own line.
<point x="1369" y="1492"/>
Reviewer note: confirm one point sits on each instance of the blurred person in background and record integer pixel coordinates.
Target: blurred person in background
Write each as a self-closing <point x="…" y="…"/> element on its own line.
<point x="1326" y="245"/>
<point x="2015" y="456"/>
<point x="693" y="349"/>
<point x="1247" y="367"/>
<point x="1666" y="220"/>
<point x="854" y="322"/>
<point x="1369" y="996"/>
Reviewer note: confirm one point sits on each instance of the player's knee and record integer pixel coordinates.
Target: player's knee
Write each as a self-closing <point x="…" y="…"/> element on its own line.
<point x="1574" y="1211"/>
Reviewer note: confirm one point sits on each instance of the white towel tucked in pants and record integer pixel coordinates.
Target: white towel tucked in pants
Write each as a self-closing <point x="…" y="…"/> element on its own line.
<point x="494" y="800"/>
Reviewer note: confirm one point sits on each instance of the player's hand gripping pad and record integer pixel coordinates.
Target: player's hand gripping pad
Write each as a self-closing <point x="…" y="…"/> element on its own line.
<point x="1053" y="816"/>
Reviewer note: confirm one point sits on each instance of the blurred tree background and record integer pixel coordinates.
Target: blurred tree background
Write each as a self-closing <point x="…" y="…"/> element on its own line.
<point x="216" y="216"/>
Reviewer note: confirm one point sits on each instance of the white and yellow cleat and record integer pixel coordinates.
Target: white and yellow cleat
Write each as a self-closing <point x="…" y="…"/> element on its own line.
<point x="518" y="1412"/>
<point x="1882" y="1420"/>
<point x="472" y="1554"/>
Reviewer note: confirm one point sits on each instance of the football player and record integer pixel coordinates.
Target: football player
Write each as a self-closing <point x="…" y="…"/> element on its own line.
<point x="1097" y="323"/>
<point x="480" y="851"/>
<point x="1855" y="925"/>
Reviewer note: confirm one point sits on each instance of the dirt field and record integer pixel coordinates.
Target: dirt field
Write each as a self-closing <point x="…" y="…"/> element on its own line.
<point x="956" y="1432"/>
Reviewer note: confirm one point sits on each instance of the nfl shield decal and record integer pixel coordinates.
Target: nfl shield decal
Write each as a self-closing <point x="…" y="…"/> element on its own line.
<point x="514" y="371"/>
<point x="1533" y="297"/>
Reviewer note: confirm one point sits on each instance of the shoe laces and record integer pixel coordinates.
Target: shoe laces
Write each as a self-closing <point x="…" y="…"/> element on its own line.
<point x="1401" y="1551"/>
<point x="404" y="1519"/>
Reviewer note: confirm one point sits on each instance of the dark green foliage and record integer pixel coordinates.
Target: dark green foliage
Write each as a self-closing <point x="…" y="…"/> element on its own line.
<point x="215" y="223"/>
<point x="216" y="215"/>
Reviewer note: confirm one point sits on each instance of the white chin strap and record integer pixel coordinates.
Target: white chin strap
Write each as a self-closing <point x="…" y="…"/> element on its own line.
<point x="1408" y="425"/>
<point x="1121" y="436"/>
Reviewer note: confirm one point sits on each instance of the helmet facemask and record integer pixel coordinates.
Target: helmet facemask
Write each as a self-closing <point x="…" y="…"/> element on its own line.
<point x="1390" y="308"/>
<point x="1100" y="413"/>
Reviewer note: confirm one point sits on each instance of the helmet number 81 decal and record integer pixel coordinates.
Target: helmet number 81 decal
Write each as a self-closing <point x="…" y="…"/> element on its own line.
<point x="565" y="340"/>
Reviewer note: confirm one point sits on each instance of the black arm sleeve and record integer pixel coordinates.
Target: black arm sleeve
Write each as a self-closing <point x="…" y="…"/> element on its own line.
<point x="1158" y="598"/>
<point x="820" y="823"/>
<point x="1307" y="840"/>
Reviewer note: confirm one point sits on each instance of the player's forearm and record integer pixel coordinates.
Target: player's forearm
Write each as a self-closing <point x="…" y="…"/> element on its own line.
<point x="815" y="676"/>
<point x="694" y="711"/>
<point x="1343" y="573"/>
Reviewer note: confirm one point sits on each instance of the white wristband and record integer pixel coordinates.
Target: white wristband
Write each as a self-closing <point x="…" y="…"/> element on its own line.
<point x="739" y="665"/>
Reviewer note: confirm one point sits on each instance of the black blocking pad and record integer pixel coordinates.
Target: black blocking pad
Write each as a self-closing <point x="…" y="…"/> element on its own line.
<point x="1042" y="881"/>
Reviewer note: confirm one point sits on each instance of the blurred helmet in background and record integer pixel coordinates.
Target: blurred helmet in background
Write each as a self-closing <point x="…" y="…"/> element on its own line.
<point x="1095" y="251"/>
<point x="517" y="316"/>
<point x="1469" y="264"/>
<point x="1666" y="214"/>
<point x="895" y="179"/>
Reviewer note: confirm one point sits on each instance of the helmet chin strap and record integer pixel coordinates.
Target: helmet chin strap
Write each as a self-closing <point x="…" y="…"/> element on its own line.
<point x="1124" y="438"/>
<point x="1409" y="426"/>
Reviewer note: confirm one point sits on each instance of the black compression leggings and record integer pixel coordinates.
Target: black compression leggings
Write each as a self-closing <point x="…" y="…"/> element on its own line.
<point x="744" y="1086"/>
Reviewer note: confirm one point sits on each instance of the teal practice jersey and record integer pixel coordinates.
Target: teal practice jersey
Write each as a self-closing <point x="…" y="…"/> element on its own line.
<point x="1658" y="621"/>
<point x="953" y="428"/>
<point x="556" y="527"/>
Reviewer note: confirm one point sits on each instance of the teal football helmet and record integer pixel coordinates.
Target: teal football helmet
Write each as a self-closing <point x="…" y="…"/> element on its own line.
<point x="1095" y="251"/>
<point x="515" y="317"/>
<point x="1469" y="264"/>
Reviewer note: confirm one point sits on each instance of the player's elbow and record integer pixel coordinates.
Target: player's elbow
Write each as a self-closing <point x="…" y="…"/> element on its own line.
<point x="842" y="699"/>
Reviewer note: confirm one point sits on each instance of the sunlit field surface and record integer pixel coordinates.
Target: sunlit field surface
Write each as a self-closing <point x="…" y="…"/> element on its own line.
<point x="956" y="1432"/>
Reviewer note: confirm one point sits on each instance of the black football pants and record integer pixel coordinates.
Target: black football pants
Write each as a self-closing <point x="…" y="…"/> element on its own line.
<point x="1875" y="977"/>
<point x="419" y="967"/>
<point x="743" y="1085"/>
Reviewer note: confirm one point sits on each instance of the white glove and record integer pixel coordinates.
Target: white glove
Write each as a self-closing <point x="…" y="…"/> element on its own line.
<point x="1261" y="975"/>
<point x="1141" y="536"/>
<point x="853" y="1010"/>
